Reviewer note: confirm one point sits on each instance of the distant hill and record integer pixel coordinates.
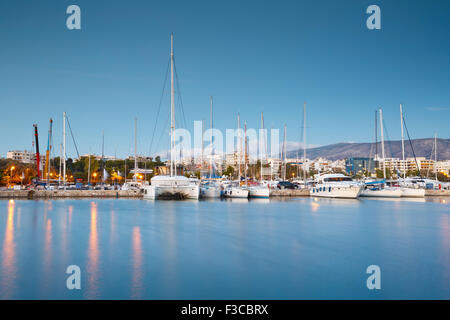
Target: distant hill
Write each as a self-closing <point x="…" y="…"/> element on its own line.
<point x="422" y="148"/>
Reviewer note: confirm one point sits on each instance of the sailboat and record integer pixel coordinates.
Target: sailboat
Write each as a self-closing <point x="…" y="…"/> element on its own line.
<point x="209" y="188"/>
<point x="172" y="186"/>
<point x="262" y="190"/>
<point x="378" y="188"/>
<point x="410" y="190"/>
<point x="234" y="190"/>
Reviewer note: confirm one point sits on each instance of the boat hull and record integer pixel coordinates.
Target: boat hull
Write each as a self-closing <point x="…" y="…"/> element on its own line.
<point x="383" y="193"/>
<point x="172" y="192"/>
<point x="210" y="192"/>
<point x="336" y="192"/>
<point x="259" y="192"/>
<point x="235" y="193"/>
<point x="413" y="193"/>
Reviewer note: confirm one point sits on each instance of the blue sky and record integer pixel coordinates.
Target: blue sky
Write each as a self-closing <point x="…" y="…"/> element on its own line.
<point x="252" y="56"/>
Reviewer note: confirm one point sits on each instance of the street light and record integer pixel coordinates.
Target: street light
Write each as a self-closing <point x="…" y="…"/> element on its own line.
<point x="10" y="175"/>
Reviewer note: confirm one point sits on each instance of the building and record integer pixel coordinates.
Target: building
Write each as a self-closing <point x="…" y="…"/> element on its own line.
<point x="359" y="165"/>
<point x="23" y="156"/>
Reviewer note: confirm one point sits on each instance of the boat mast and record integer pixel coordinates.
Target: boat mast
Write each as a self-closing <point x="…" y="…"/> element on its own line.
<point x="60" y="160"/>
<point x="435" y="155"/>
<point x="382" y="143"/>
<point x="245" y="152"/>
<point x="239" y="148"/>
<point x="135" y="149"/>
<point x="264" y="141"/>
<point x="211" y="123"/>
<point x="172" y="112"/>
<point x="403" y="142"/>
<point x="64" y="150"/>
<point x="304" y="141"/>
<point x="89" y="168"/>
<point x="284" y="154"/>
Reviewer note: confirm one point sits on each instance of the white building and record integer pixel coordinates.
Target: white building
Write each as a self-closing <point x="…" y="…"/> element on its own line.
<point x="22" y="156"/>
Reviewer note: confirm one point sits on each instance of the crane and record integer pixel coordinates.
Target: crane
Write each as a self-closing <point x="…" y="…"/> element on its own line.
<point x="47" y="155"/>
<point x="37" y="151"/>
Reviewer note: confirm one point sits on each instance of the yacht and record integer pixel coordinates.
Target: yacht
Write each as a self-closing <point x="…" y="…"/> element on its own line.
<point x="235" y="191"/>
<point x="336" y="186"/>
<point x="172" y="186"/>
<point x="210" y="189"/>
<point x="379" y="189"/>
<point x="259" y="191"/>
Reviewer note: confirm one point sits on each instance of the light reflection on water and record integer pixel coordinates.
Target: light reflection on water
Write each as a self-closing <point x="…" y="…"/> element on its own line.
<point x="234" y="249"/>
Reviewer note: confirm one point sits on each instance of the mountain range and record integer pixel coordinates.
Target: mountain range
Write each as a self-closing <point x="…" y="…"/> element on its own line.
<point x="393" y="149"/>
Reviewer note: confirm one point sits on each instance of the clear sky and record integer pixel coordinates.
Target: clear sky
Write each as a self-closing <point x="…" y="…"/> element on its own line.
<point x="252" y="56"/>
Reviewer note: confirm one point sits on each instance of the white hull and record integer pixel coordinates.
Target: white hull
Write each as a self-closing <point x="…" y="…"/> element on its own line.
<point x="383" y="193"/>
<point x="413" y="193"/>
<point x="210" y="192"/>
<point x="235" y="192"/>
<point x="352" y="192"/>
<point x="259" y="192"/>
<point x="172" y="192"/>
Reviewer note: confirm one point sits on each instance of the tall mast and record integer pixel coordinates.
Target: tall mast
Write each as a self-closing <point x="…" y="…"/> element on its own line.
<point x="382" y="143"/>
<point x="64" y="150"/>
<point x="304" y="141"/>
<point x="211" y="124"/>
<point x="284" y="154"/>
<point x="245" y="152"/>
<point x="60" y="160"/>
<point x="135" y="149"/>
<point x="103" y="154"/>
<point x="262" y="147"/>
<point x="89" y="168"/>
<point x="403" y="142"/>
<point x="201" y="155"/>
<point x="376" y="134"/>
<point x="435" y="155"/>
<point x="239" y="148"/>
<point x="172" y="112"/>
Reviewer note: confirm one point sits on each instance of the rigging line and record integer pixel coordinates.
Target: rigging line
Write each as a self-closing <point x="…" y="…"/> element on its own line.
<point x="410" y="143"/>
<point x="73" y="138"/>
<point x="163" y="130"/>
<point x="159" y="107"/>
<point x="179" y="93"/>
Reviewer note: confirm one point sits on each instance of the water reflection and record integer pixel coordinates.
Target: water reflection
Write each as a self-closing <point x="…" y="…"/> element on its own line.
<point x="136" y="287"/>
<point x="8" y="255"/>
<point x="92" y="263"/>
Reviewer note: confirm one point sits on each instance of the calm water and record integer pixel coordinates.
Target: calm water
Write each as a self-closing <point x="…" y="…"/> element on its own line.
<point x="277" y="249"/>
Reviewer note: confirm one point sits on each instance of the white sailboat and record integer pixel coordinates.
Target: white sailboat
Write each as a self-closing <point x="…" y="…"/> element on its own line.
<point x="234" y="189"/>
<point x="379" y="189"/>
<point x="408" y="190"/>
<point x="209" y="188"/>
<point x="172" y="186"/>
<point x="262" y="190"/>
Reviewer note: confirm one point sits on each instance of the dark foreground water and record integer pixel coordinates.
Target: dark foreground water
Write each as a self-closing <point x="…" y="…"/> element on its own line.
<point x="278" y="249"/>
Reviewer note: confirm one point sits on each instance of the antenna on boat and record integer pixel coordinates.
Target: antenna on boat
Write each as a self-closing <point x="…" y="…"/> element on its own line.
<point x="403" y="142"/>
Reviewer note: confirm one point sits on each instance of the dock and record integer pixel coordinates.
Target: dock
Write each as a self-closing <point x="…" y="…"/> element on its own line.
<point x="434" y="193"/>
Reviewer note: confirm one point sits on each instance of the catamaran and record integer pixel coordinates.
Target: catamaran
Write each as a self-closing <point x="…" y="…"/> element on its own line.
<point x="172" y="186"/>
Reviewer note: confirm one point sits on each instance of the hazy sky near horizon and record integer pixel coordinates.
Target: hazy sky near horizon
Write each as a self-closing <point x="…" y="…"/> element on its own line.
<point x="252" y="56"/>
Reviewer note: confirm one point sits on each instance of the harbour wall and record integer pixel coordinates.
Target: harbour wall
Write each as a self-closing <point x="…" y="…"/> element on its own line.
<point x="39" y="194"/>
<point x="437" y="193"/>
<point x="289" y="193"/>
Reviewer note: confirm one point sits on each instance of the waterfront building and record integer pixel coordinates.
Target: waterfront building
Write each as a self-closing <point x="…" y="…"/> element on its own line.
<point x="358" y="165"/>
<point x="22" y="156"/>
